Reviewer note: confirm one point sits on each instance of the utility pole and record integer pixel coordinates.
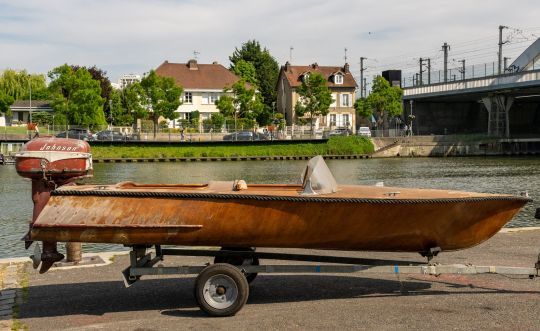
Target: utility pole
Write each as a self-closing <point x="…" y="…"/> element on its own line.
<point x="290" y="54"/>
<point x="506" y="63"/>
<point x="365" y="87"/>
<point x="362" y="85"/>
<point x="429" y="71"/>
<point x="445" y="48"/>
<point x="462" y="69"/>
<point x="421" y="60"/>
<point x="501" y="43"/>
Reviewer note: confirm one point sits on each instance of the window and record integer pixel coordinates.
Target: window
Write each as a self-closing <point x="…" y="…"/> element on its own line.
<point x="346" y="121"/>
<point x="212" y="98"/>
<point x="188" y="97"/>
<point x="305" y="77"/>
<point x="338" y="79"/>
<point x="346" y="100"/>
<point x="332" y="119"/>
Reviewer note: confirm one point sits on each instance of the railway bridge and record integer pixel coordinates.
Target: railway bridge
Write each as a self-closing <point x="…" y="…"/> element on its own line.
<point x="506" y="105"/>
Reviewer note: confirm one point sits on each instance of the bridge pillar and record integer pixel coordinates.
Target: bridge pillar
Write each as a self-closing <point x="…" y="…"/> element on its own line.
<point x="498" y="107"/>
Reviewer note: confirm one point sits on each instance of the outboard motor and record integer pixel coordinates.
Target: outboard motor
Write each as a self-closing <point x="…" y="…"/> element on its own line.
<point x="51" y="162"/>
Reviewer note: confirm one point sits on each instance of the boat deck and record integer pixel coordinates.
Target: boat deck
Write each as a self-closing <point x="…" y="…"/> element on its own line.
<point x="286" y="190"/>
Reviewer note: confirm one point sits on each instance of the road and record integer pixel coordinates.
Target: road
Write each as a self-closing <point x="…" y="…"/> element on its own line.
<point x="95" y="298"/>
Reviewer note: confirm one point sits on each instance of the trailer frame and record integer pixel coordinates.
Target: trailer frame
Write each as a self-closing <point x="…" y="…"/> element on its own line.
<point x="143" y="263"/>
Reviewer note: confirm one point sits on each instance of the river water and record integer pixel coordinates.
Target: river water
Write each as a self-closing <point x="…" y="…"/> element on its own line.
<point x="490" y="175"/>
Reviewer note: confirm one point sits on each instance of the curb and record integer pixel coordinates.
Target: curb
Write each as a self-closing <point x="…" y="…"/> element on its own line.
<point x="228" y="158"/>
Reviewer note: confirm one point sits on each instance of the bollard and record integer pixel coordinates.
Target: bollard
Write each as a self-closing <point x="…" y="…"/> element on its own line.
<point x="73" y="252"/>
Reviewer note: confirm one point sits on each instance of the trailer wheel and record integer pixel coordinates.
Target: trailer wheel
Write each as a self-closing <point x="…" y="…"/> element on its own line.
<point x="239" y="261"/>
<point x="221" y="290"/>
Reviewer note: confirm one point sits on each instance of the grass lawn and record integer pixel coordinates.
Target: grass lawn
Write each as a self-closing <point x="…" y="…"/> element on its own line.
<point x="335" y="146"/>
<point x="13" y="129"/>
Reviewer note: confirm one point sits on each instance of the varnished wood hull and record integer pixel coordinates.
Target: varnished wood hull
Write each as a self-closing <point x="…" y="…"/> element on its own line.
<point x="275" y="218"/>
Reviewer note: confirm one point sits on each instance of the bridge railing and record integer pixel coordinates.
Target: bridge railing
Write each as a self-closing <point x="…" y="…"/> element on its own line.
<point x="494" y="82"/>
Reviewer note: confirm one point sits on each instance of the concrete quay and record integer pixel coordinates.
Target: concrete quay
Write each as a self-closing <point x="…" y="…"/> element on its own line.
<point x="94" y="297"/>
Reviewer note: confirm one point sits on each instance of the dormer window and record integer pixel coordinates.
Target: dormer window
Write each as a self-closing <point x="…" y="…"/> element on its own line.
<point x="338" y="79"/>
<point x="305" y="77"/>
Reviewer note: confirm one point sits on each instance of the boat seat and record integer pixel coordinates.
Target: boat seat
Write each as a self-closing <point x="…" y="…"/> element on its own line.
<point x="220" y="186"/>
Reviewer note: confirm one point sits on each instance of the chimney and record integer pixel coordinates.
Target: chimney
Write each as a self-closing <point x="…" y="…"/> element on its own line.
<point x="346" y="68"/>
<point x="192" y="64"/>
<point x="287" y="66"/>
<point x="315" y="65"/>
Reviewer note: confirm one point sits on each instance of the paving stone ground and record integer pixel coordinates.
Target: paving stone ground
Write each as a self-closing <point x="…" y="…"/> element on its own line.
<point x="8" y="294"/>
<point x="95" y="298"/>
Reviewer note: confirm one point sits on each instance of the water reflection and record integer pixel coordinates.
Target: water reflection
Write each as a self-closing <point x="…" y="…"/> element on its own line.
<point x="491" y="175"/>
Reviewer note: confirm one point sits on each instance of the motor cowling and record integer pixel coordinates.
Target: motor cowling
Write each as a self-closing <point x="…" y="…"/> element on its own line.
<point x="56" y="159"/>
<point x="51" y="162"/>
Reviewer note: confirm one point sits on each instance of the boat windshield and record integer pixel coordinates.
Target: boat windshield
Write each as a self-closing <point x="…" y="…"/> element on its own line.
<point x="317" y="178"/>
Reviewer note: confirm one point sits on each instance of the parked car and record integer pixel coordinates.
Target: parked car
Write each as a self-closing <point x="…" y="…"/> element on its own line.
<point x="364" y="131"/>
<point x="82" y="134"/>
<point x="339" y="132"/>
<point x="108" y="135"/>
<point x="246" y="136"/>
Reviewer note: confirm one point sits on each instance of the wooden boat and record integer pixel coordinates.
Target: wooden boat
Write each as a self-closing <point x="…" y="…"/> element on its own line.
<point x="317" y="213"/>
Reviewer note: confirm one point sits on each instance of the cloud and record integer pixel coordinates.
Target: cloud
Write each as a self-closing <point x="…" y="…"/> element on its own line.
<point x="135" y="36"/>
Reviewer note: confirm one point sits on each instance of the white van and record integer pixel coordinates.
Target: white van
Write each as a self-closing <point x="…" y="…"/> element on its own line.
<point x="364" y="131"/>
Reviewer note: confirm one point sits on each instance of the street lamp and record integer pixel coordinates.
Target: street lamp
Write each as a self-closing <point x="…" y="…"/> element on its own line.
<point x="30" y="88"/>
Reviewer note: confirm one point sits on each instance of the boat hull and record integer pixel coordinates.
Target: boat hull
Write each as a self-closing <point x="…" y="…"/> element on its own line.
<point x="139" y="218"/>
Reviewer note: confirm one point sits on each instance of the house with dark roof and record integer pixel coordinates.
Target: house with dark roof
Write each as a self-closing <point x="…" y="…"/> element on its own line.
<point x="203" y="85"/>
<point x="339" y="80"/>
<point x="21" y="110"/>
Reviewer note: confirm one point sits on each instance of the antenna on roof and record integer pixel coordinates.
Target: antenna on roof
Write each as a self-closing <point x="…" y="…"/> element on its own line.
<point x="290" y="54"/>
<point x="345" y="54"/>
<point x="196" y="55"/>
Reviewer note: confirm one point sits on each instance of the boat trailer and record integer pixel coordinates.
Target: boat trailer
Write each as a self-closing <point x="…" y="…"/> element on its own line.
<point x="222" y="288"/>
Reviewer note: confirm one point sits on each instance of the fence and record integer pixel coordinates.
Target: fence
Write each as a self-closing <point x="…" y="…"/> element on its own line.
<point x="483" y="70"/>
<point x="187" y="133"/>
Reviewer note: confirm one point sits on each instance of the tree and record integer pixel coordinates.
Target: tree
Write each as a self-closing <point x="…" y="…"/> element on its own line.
<point x="104" y="83"/>
<point x="217" y="121"/>
<point x="17" y="85"/>
<point x="245" y="101"/>
<point x="266" y="68"/>
<point x="161" y="97"/>
<point x="119" y="114"/>
<point x="383" y="101"/>
<point x="315" y="97"/>
<point x="5" y="102"/>
<point x="76" y="96"/>
<point x="42" y="118"/>
<point x="246" y="71"/>
<point x="362" y="108"/>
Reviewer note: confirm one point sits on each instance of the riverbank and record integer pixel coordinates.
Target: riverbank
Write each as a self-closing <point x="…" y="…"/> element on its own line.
<point x="335" y="146"/>
<point x="453" y="145"/>
<point x="95" y="298"/>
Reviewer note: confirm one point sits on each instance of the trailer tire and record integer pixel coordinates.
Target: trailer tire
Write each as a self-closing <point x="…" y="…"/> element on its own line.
<point x="221" y="290"/>
<point x="239" y="261"/>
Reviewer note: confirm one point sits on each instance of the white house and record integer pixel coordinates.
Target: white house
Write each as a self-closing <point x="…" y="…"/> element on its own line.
<point x="203" y="85"/>
<point x="21" y="110"/>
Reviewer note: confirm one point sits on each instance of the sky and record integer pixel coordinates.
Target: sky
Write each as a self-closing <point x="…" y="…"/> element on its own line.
<point x="124" y="37"/>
